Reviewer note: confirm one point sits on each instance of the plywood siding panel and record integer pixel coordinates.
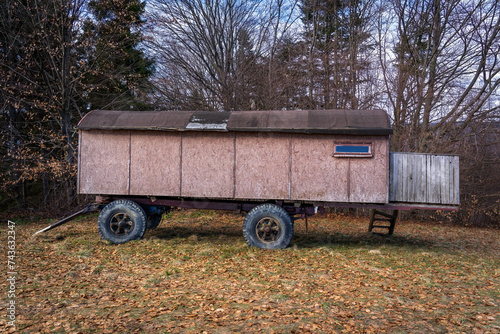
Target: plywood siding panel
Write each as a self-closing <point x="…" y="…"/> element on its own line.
<point x="316" y="174"/>
<point x="421" y="176"/>
<point x="424" y="178"/>
<point x="411" y="190"/>
<point x="434" y="187"/>
<point x="451" y="176"/>
<point x="155" y="163"/>
<point x="402" y="170"/>
<point x="207" y="164"/>
<point x="104" y="168"/>
<point x="393" y="179"/>
<point x="445" y="173"/>
<point x="262" y="166"/>
<point x="369" y="176"/>
<point x="456" y="181"/>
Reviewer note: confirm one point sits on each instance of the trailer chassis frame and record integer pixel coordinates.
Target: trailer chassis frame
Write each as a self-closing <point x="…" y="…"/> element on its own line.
<point x="296" y="210"/>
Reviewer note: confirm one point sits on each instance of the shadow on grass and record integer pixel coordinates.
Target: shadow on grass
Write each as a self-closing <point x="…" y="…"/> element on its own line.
<point x="313" y="240"/>
<point x="170" y="232"/>
<point x="302" y="239"/>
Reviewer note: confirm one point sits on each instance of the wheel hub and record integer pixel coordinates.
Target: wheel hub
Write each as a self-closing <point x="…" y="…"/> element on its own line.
<point x="121" y="224"/>
<point x="267" y="229"/>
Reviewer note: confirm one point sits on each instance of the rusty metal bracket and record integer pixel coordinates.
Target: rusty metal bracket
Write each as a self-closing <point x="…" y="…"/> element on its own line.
<point x="87" y="209"/>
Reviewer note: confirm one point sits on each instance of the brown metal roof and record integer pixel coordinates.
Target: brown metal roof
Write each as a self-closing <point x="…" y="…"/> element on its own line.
<point x="348" y="122"/>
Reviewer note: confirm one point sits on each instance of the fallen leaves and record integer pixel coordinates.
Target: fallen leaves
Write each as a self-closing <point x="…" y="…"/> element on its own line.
<point x="339" y="279"/>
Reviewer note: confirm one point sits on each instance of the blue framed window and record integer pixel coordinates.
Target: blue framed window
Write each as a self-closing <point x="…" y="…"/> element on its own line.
<point x="352" y="150"/>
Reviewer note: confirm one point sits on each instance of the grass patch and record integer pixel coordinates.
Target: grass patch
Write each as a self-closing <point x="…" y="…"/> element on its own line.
<point x="195" y="273"/>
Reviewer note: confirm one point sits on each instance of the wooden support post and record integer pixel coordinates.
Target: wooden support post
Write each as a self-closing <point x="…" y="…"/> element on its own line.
<point x="390" y="218"/>
<point x="372" y="219"/>
<point x="395" y="214"/>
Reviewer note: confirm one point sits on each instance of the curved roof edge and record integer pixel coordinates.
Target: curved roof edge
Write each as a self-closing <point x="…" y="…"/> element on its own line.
<point x="345" y="122"/>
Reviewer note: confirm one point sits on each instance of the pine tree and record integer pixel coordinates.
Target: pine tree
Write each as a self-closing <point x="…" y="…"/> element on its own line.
<point x="121" y="69"/>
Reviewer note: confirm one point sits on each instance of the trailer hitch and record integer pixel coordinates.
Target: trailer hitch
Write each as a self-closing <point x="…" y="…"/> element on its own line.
<point x="88" y="208"/>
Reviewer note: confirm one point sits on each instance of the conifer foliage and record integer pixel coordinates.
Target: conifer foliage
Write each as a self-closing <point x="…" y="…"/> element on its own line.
<point x="122" y="69"/>
<point x="58" y="59"/>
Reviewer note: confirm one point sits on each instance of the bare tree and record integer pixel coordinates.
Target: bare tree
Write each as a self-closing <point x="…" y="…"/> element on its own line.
<point x="338" y="38"/>
<point x="479" y="165"/>
<point x="441" y="69"/>
<point x="444" y="72"/>
<point x="38" y="92"/>
<point x="209" y="51"/>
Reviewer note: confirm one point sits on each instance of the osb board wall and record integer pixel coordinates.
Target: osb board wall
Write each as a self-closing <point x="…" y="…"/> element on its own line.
<point x="154" y="163"/>
<point x="104" y="162"/>
<point x="369" y="177"/>
<point x="262" y="165"/>
<point x="231" y="165"/>
<point x="317" y="175"/>
<point x="207" y="165"/>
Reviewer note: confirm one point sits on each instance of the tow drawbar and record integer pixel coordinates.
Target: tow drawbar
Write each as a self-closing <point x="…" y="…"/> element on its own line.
<point x="88" y="208"/>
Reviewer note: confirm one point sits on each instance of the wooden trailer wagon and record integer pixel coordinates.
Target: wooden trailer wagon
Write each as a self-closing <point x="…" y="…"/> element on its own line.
<point x="273" y="165"/>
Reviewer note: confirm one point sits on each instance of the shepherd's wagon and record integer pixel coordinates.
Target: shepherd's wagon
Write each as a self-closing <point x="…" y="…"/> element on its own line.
<point x="276" y="166"/>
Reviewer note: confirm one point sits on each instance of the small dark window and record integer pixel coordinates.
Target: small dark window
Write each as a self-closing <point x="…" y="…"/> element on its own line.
<point x="342" y="150"/>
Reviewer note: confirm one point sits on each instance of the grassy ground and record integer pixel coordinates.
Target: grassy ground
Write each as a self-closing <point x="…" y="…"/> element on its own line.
<point x="195" y="274"/>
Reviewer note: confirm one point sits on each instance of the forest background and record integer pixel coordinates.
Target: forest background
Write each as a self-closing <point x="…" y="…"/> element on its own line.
<point x="433" y="65"/>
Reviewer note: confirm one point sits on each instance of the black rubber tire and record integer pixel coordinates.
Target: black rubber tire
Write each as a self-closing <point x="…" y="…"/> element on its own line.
<point x="268" y="226"/>
<point x="153" y="221"/>
<point x="122" y="221"/>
